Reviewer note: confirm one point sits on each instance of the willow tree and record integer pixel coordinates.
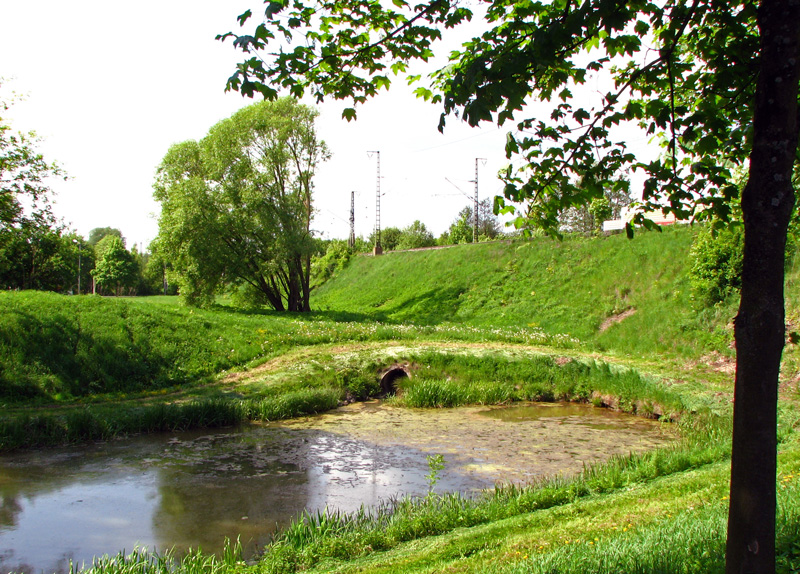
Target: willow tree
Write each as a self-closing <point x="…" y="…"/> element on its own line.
<point x="236" y="206"/>
<point x="718" y="80"/>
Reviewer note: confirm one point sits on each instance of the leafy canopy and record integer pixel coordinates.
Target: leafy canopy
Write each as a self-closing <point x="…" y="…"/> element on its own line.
<point x="237" y="206"/>
<point x="34" y="252"/>
<point x="716" y="81"/>
<point x="24" y="175"/>
<point x="684" y="72"/>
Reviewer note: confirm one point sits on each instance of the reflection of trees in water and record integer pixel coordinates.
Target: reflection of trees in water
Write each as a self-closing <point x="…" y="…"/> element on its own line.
<point x="346" y="473"/>
<point x="269" y="475"/>
<point x="235" y="486"/>
<point x="28" y="476"/>
<point x="9" y="564"/>
<point x="10" y="507"/>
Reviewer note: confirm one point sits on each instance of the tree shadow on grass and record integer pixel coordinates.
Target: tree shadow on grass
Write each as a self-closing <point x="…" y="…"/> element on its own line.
<point x="47" y="356"/>
<point x="316" y="314"/>
<point x="431" y="307"/>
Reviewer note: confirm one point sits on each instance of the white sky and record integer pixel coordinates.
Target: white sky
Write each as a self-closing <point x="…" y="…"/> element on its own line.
<point x="109" y="86"/>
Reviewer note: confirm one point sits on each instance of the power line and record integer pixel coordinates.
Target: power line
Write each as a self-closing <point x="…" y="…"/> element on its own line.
<point x="377" y="250"/>
<point x="475" y="218"/>
<point x="352" y="240"/>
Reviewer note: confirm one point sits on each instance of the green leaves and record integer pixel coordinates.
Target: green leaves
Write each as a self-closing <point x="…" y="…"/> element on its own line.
<point x="236" y="206"/>
<point x="684" y="73"/>
<point x="272" y="9"/>
<point x="116" y="267"/>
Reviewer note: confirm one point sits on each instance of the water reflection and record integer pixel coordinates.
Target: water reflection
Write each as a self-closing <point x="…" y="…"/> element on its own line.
<point x="194" y="489"/>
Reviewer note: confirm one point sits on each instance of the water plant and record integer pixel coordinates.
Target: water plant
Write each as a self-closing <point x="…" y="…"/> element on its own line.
<point x="142" y="561"/>
<point x="435" y="466"/>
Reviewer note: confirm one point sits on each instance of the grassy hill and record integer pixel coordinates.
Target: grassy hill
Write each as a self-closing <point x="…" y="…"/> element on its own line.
<point x="616" y="296"/>
<point x="613" y="293"/>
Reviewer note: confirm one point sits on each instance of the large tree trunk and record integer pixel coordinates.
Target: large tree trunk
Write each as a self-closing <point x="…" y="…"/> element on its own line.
<point x="295" y="292"/>
<point x="270" y="293"/>
<point x="767" y="203"/>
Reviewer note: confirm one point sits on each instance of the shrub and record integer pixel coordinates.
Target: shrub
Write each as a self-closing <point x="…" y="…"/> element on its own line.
<point x="360" y="384"/>
<point x="716" y="265"/>
<point x="336" y="258"/>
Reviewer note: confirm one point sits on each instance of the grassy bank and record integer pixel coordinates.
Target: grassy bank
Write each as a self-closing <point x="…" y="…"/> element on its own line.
<point x="314" y="380"/>
<point x="607" y="295"/>
<point x="574" y="286"/>
<point x="56" y="348"/>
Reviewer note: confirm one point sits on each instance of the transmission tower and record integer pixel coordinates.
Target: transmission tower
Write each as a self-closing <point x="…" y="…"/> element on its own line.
<point x="475" y="215"/>
<point x="377" y="249"/>
<point x="352" y="241"/>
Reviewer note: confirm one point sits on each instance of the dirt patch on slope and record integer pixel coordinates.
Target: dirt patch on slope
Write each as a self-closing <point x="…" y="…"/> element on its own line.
<point x="618" y="318"/>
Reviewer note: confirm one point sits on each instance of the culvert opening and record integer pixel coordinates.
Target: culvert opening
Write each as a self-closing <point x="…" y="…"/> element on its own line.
<point x="389" y="380"/>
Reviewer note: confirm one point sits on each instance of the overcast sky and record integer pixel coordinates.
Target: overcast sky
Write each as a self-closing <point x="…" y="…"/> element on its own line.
<point x="109" y="86"/>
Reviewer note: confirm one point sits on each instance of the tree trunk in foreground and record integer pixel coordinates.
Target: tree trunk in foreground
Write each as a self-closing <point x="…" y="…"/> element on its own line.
<point x="767" y="203"/>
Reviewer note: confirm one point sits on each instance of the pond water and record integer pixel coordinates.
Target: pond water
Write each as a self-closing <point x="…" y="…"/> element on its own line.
<point x="193" y="489"/>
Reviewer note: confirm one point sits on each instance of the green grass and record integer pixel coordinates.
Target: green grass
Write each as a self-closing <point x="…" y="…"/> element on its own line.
<point x="561" y="287"/>
<point x="55" y="348"/>
<point x="313" y="539"/>
<point x="318" y="380"/>
<point x="450" y="380"/>
<point x="84" y="424"/>
<point x="476" y="324"/>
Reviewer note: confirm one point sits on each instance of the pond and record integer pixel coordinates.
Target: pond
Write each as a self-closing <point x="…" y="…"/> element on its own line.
<point x="196" y="488"/>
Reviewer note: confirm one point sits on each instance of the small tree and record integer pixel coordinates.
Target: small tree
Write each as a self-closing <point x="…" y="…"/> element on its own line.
<point x="29" y="234"/>
<point x="588" y="217"/>
<point x="156" y="271"/>
<point x="116" y="268"/>
<point x="462" y="229"/>
<point x="415" y="236"/>
<point x="97" y="234"/>
<point x="336" y="257"/>
<point x="390" y="237"/>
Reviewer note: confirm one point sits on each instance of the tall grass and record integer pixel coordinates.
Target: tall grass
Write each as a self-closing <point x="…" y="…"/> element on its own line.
<point x="57" y="348"/>
<point x="312" y="539"/>
<point x="685" y="544"/>
<point x="452" y="379"/>
<point x="693" y="541"/>
<point x="102" y="423"/>
<point x="439" y="379"/>
<point x="142" y="561"/>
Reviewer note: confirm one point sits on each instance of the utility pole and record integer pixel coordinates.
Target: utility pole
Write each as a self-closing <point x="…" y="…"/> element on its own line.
<point x="475" y="218"/>
<point x="352" y="241"/>
<point x="78" y="244"/>
<point x="377" y="249"/>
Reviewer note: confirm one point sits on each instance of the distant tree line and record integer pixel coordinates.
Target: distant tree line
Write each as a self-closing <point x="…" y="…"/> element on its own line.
<point x="52" y="258"/>
<point x="235" y="219"/>
<point x="417" y="235"/>
<point x="37" y="251"/>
